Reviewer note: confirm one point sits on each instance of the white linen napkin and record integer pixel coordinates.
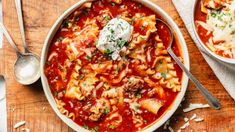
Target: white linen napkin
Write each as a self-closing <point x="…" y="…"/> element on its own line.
<point x="224" y="72"/>
<point x="3" y="110"/>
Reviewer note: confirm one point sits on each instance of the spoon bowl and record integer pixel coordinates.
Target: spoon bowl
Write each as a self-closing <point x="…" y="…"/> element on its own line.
<point x="27" y="65"/>
<point x="26" y="68"/>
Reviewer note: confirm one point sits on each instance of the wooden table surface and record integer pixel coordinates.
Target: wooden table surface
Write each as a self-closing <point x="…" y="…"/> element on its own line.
<point x="29" y="104"/>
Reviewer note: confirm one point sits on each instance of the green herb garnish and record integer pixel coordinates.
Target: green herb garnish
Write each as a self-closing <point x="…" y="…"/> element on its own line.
<point x="85" y="126"/>
<point x="106" y="110"/>
<point x="145" y="121"/>
<point x="95" y="129"/>
<point x="55" y="93"/>
<point x="121" y="43"/>
<point x="233" y="32"/>
<point x="163" y="74"/>
<point x="107" y="18"/>
<point x="107" y="51"/>
<point x="66" y="24"/>
<point x="96" y="42"/>
<point x="112" y="127"/>
<point x="113" y="4"/>
<point x="138" y="96"/>
<point x="142" y="28"/>
<point x="213" y="14"/>
<point x="132" y="20"/>
<point x="88" y="58"/>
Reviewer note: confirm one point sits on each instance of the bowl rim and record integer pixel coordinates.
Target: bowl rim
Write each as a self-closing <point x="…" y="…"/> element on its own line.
<point x="181" y="42"/>
<point x="214" y="55"/>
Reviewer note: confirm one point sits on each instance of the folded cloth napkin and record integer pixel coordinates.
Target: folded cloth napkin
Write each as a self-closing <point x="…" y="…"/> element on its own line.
<point x="224" y="72"/>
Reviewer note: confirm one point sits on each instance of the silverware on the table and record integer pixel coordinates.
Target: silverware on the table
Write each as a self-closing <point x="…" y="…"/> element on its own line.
<point x="212" y="101"/>
<point x="2" y="88"/>
<point x="3" y="111"/>
<point x="26" y="68"/>
<point x="27" y="65"/>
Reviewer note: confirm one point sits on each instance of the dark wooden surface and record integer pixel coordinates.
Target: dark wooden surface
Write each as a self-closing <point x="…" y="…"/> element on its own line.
<point x="28" y="103"/>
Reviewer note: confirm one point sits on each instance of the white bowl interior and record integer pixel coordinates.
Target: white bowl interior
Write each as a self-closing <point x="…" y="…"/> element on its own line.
<point x="184" y="52"/>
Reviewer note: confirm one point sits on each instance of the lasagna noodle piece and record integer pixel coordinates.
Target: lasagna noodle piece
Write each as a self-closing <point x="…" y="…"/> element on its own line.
<point x="148" y="22"/>
<point x="152" y="105"/>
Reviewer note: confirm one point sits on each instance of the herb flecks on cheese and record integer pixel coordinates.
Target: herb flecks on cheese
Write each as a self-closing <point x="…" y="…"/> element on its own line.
<point x="114" y="36"/>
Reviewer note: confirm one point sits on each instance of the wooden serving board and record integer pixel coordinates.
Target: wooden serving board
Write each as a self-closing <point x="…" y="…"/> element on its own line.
<point x="28" y="103"/>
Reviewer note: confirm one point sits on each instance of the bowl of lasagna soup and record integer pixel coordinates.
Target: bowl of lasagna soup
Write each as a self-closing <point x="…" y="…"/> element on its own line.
<point x="105" y="66"/>
<point x="214" y="26"/>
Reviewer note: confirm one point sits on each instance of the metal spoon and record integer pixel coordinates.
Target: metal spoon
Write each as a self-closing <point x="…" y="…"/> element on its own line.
<point x="21" y="24"/>
<point x="212" y="101"/>
<point x="26" y="68"/>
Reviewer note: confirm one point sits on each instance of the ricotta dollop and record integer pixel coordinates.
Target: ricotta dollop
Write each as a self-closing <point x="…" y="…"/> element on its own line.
<point x="114" y="36"/>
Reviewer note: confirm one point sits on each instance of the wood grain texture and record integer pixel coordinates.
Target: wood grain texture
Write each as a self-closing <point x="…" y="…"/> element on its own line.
<point x="29" y="103"/>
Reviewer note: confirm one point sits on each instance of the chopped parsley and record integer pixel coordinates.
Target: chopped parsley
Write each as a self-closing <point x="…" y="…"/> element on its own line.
<point x="106" y="110"/>
<point x="59" y="39"/>
<point x="132" y="20"/>
<point x="138" y="96"/>
<point x="163" y="74"/>
<point x="81" y="76"/>
<point x="113" y="4"/>
<point x="233" y="32"/>
<point x="121" y="43"/>
<point x="116" y="71"/>
<point x="107" y="51"/>
<point x="107" y="18"/>
<point x="111" y="30"/>
<point x="112" y="127"/>
<point x="213" y="14"/>
<point x="142" y="28"/>
<point x="66" y="24"/>
<point x="96" y="42"/>
<point x="88" y="58"/>
<point x="143" y="38"/>
<point x="95" y="129"/>
<point x="55" y="93"/>
<point x="85" y="126"/>
<point x="145" y="121"/>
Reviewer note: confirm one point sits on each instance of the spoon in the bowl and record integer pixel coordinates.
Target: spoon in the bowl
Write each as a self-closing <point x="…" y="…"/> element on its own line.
<point x="26" y="68"/>
<point x="212" y="101"/>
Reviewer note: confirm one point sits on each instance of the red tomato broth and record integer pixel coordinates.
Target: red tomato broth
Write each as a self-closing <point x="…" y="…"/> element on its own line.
<point x="202" y="32"/>
<point x="77" y="106"/>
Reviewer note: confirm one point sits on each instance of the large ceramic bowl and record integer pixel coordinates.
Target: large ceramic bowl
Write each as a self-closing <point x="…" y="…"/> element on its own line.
<point x="227" y="61"/>
<point x="178" y="36"/>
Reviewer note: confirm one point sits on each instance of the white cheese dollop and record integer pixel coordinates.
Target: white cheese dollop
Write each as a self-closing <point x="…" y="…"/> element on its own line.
<point x="114" y="36"/>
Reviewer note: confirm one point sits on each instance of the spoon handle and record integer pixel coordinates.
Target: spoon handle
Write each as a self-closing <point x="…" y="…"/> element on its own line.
<point x="21" y="24"/>
<point x="212" y="101"/>
<point x="10" y="40"/>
